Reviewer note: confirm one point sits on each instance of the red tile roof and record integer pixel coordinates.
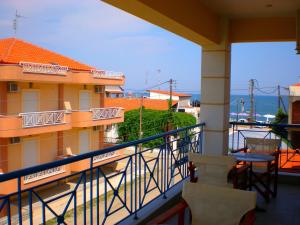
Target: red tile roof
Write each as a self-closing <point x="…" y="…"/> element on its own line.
<point x="135" y="103"/>
<point x="168" y="93"/>
<point x="297" y="84"/>
<point x="13" y="50"/>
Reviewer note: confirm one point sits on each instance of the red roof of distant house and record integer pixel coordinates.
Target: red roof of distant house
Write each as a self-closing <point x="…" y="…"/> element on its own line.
<point x="168" y="93"/>
<point x="297" y="84"/>
<point x="13" y="50"/>
<point x="135" y="103"/>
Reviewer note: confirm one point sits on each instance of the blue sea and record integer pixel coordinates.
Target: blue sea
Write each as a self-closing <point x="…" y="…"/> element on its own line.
<point x="262" y="105"/>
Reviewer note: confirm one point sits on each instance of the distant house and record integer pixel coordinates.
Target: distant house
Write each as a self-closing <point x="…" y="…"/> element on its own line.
<point x="114" y="91"/>
<point x="184" y="100"/>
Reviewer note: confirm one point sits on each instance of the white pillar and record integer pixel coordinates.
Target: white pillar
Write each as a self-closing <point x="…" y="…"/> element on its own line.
<point x="215" y="96"/>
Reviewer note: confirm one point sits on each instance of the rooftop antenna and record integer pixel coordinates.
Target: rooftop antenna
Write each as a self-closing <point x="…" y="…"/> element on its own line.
<point x="15" y="22"/>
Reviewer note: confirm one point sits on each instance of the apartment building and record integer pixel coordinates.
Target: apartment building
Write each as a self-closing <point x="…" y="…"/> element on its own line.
<point x="51" y="107"/>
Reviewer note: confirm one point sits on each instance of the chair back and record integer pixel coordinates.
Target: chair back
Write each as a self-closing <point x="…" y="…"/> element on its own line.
<point x="212" y="169"/>
<point x="215" y="205"/>
<point x="262" y="145"/>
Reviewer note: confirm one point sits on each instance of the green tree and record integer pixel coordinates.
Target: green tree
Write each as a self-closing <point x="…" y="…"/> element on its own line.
<point x="280" y="118"/>
<point x="154" y="122"/>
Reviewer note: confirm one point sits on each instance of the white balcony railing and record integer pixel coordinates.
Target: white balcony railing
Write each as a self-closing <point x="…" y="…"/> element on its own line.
<point x="105" y="156"/>
<point x="107" y="74"/>
<point x="30" y="67"/>
<point x="44" y="174"/>
<point x="45" y="118"/>
<point x="105" y="113"/>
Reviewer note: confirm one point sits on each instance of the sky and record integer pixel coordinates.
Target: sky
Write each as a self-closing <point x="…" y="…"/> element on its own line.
<point x="100" y="35"/>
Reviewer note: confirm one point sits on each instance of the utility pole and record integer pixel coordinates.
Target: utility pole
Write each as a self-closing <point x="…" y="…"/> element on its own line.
<point x="141" y="122"/>
<point x="251" y="93"/>
<point x="279" y="96"/>
<point x="237" y="109"/>
<point x="171" y="93"/>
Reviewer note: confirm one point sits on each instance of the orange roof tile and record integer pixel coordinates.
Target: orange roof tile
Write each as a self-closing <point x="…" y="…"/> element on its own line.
<point x="168" y="93"/>
<point x="13" y="50"/>
<point x="135" y="103"/>
<point x="297" y="84"/>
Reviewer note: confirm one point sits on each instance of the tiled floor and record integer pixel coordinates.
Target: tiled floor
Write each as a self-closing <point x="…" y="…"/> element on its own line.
<point x="283" y="210"/>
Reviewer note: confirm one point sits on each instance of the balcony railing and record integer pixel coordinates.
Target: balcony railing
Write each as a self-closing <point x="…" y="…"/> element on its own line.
<point x="106" y="113"/>
<point x="44" y="118"/>
<point x="31" y="67"/>
<point x="107" y="74"/>
<point x="289" y="134"/>
<point x="43" y="174"/>
<point x="151" y="167"/>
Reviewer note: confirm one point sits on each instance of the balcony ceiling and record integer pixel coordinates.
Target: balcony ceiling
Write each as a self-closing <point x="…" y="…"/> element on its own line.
<point x="253" y="8"/>
<point x="199" y="20"/>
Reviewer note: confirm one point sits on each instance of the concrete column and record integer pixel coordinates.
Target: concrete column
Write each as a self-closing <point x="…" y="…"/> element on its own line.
<point x="60" y="134"/>
<point x="215" y="95"/>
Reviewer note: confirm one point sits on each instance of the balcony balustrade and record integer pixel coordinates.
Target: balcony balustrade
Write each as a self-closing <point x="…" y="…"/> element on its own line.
<point x="97" y="116"/>
<point x="31" y="123"/>
<point x="107" y="74"/>
<point x="106" y="113"/>
<point x="30" y="67"/>
<point x="150" y="169"/>
<point x="45" y="118"/>
<point x="289" y="158"/>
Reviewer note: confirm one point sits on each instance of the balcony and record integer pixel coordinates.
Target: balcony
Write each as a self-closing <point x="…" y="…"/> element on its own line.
<point x="97" y="117"/>
<point x="98" y="194"/>
<point x="31" y="123"/>
<point x="38" y="72"/>
<point x="143" y="187"/>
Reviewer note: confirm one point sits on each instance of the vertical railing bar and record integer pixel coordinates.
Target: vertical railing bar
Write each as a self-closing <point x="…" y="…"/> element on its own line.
<point x="135" y="183"/>
<point x="8" y="212"/>
<point x="140" y="178"/>
<point x="30" y="207"/>
<point x="91" y="190"/>
<point x="165" y="164"/>
<point x="105" y="197"/>
<point x="84" y="197"/>
<point x="97" y="198"/>
<point x="19" y="201"/>
<point x="125" y="185"/>
<point x="44" y="213"/>
<point x="75" y="208"/>
<point x="131" y="188"/>
<point x="168" y="152"/>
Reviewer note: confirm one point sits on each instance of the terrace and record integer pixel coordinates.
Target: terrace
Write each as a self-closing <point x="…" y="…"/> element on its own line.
<point x="152" y="170"/>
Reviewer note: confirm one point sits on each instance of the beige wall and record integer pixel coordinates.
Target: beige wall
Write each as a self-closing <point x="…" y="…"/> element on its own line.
<point x="72" y="92"/>
<point x="48" y="97"/>
<point x="47" y="150"/>
<point x="71" y="139"/>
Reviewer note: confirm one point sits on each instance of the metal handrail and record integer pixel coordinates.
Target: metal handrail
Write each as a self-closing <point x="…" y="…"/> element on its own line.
<point x="61" y="162"/>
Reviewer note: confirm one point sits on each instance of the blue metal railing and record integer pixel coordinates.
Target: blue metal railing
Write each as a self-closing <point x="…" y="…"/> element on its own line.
<point x="240" y="131"/>
<point x="98" y="194"/>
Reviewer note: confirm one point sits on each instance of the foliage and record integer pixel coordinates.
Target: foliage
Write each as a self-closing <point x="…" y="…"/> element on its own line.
<point x="280" y="118"/>
<point x="153" y="122"/>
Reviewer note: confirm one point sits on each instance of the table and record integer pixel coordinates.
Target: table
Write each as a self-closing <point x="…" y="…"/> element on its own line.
<point x="254" y="178"/>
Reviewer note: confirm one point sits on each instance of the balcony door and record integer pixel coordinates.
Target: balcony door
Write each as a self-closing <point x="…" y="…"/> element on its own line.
<point x="30" y="101"/>
<point x="30" y="152"/>
<point x="84" y="100"/>
<point x="84" y="141"/>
